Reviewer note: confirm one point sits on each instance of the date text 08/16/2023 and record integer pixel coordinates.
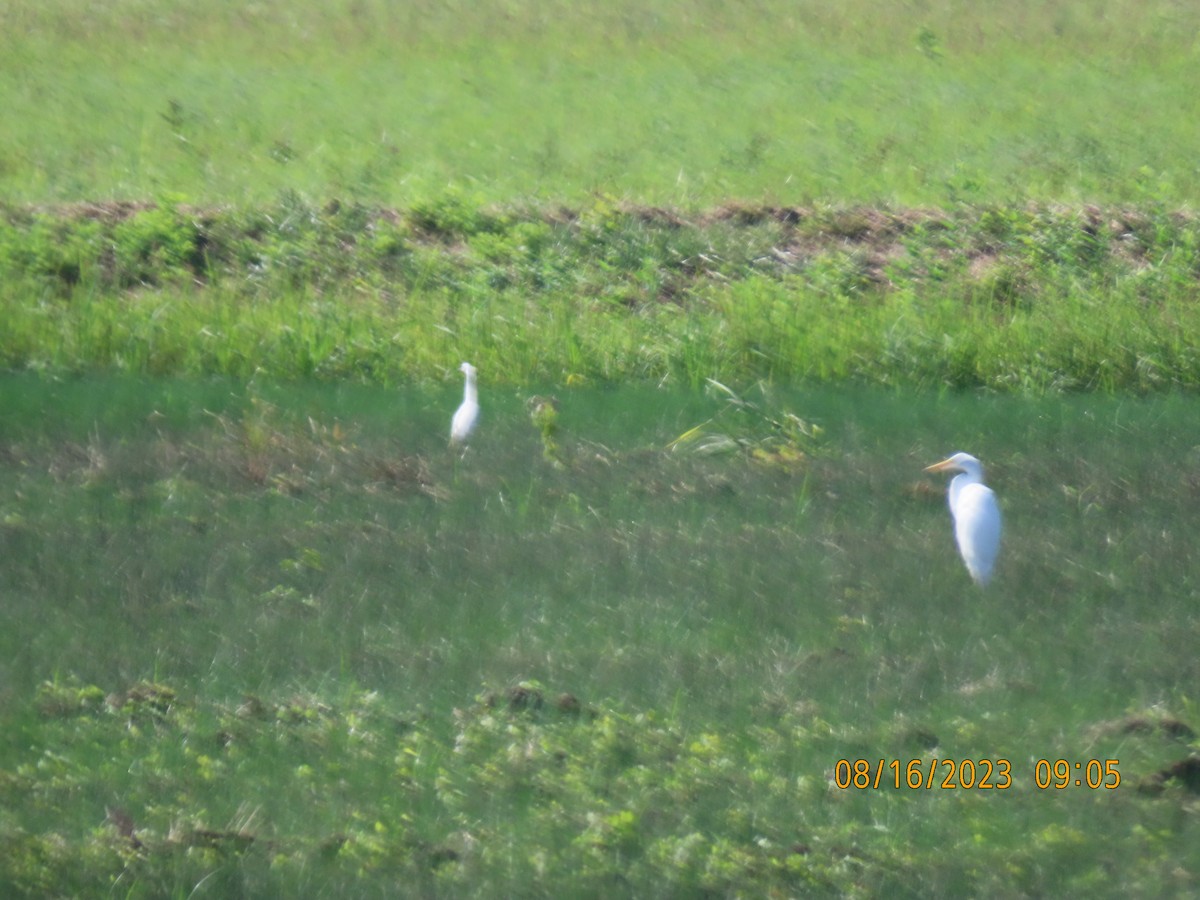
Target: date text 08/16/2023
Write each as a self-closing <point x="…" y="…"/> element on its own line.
<point x="972" y="774"/>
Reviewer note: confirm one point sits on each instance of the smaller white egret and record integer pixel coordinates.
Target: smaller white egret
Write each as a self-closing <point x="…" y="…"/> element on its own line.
<point x="466" y="417"/>
<point x="976" y="514"/>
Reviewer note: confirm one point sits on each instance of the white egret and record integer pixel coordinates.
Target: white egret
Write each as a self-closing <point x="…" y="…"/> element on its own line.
<point x="466" y="417"/>
<point x="976" y="514"/>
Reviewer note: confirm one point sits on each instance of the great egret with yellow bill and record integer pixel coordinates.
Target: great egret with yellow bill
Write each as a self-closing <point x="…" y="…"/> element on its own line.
<point x="976" y="514"/>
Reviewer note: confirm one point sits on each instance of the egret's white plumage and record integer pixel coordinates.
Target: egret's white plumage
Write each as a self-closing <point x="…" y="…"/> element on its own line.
<point x="466" y="417"/>
<point x="976" y="514"/>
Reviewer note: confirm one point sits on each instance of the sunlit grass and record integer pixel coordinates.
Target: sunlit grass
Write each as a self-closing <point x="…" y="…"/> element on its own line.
<point x="328" y="653"/>
<point x="679" y="103"/>
<point x="266" y="635"/>
<point x="1028" y="299"/>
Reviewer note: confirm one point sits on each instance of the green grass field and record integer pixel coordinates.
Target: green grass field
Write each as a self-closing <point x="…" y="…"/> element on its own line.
<point x="683" y="103"/>
<point x="266" y="635"/>
<point x="296" y="645"/>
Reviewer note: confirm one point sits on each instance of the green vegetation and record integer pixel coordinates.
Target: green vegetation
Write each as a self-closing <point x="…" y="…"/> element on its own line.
<point x="281" y="640"/>
<point x="1011" y="299"/>
<point x="678" y="102"/>
<point x="732" y="275"/>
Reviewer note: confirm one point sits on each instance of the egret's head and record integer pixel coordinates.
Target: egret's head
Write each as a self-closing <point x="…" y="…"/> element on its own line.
<point x="959" y="462"/>
<point x="467" y="369"/>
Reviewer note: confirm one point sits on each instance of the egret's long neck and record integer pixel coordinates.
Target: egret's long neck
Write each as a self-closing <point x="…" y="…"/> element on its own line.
<point x="470" y="394"/>
<point x="956" y="485"/>
<point x="960" y="481"/>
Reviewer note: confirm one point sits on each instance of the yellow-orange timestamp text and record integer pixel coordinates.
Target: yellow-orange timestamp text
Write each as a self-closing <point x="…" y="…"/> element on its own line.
<point x="972" y="774"/>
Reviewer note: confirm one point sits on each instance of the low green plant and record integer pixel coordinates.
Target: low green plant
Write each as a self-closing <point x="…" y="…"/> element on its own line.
<point x="766" y="435"/>
<point x="163" y="240"/>
<point x="543" y="413"/>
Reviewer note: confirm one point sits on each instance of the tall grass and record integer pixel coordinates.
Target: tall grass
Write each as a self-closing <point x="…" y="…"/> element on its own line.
<point x="680" y="103"/>
<point x="1015" y="299"/>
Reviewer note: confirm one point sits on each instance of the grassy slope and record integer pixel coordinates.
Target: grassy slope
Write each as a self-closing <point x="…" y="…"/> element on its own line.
<point x="1028" y="299"/>
<point x="681" y="103"/>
